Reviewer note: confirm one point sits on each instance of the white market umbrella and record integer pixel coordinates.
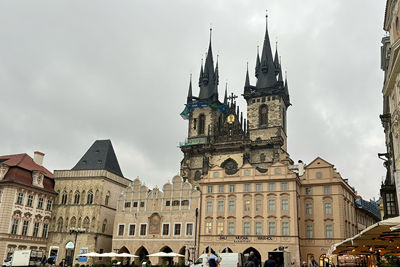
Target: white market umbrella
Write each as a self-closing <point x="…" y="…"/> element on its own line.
<point x="173" y="254"/>
<point x="90" y="254"/>
<point x="127" y="255"/>
<point x="109" y="254"/>
<point x="159" y="254"/>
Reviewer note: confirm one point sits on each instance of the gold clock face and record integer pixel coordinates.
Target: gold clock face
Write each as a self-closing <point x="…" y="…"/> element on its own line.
<point x="230" y="119"/>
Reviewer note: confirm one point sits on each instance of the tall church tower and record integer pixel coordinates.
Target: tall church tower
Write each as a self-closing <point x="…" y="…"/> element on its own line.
<point x="219" y="135"/>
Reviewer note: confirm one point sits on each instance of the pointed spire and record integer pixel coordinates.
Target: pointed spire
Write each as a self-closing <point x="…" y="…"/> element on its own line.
<point x="201" y="73"/>
<point x="216" y="72"/>
<point x="189" y="97"/>
<point x="258" y="62"/>
<point x="286" y="90"/>
<point x="267" y="76"/>
<point x="280" y="76"/>
<point x="226" y="94"/>
<point x="276" y="60"/>
<point x="247" y="82"/>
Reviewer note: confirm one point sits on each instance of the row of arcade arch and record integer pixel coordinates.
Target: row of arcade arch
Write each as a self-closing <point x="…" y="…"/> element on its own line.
<point x="143" y="253"/>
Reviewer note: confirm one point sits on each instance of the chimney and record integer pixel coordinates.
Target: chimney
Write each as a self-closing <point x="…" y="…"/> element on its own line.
<point x="38" y="157"/>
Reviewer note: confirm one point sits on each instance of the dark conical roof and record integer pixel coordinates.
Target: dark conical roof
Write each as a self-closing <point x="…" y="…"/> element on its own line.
<point x="100" y="156"/>
<point x="247" y="82"/>
<point x="190" y="95"/>
<point x="208" y="81"/>
<point x="267" y="75"/>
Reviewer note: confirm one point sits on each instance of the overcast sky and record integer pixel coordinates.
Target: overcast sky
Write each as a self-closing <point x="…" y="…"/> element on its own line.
<point x="72" y="72"/>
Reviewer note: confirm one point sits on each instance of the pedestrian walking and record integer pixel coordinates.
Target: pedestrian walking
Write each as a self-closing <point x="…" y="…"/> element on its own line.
<point x="270" y="262"/>
<point x="312" y="262"/>
<point x="212" y="260"/>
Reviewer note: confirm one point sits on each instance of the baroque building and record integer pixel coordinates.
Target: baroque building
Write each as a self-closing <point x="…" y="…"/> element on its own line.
<point x="218" y="135"/>
<point x="87" y="200"/>
<point x="391" y="111"/>
<point x="26" y="201"/>
<point x="148" y="221"/>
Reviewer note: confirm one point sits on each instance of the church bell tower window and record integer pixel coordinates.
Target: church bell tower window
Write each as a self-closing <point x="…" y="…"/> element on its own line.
<point x="263" y="115"/>
<point x="202" y="123"/>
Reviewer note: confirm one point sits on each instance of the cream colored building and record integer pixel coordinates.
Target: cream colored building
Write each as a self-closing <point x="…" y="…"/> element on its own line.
<point x="390" y="64"/>
<point x="87" y="200"/>
<point x="26" y="200"/>
<point x="250" y="211"/>
<point x="148" y="220"/>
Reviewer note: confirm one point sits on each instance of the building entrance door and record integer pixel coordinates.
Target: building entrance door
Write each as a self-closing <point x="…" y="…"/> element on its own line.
<point x="69" y="254"/>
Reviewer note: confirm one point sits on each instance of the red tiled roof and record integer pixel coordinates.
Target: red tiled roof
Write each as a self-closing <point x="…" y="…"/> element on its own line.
<point x="20" y="171"/>
<point x="24" y="161"/>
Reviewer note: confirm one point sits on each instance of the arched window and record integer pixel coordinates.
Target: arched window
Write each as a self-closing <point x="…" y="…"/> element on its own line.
<point x="202" y="123"/>
<point x="66" y="224"/>
<point x="86" y="223"/>
<point x="77" y="196"/>
<point x="263" y="115"/>
<point x="93" y="226"/>
<point x="73" y="222"/>
<point x="89" y="197"/>
<point x="79" y="222"/>
<point x="59" y="224"/>
<point x="107" y="199"/>
<point x="103" y="228"/>
<point x="64" y="197"/>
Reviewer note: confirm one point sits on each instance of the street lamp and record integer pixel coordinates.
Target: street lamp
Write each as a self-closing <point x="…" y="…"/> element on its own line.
<point x="75" y="231"/>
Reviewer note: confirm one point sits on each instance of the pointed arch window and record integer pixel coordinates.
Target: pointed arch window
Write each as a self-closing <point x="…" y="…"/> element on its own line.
<point x="77" y="197"/>
<point x="89" y="197"/>
<point x="202" y="123"/>
<point x="86" y="223"/>
<point x="72" y="222"/>
<point x="59" y="224"/>
<point x="107" y="199"/>
<point x="103" y="228"/>
<point x="64" y="198"/>
<point x="263" y="115"/>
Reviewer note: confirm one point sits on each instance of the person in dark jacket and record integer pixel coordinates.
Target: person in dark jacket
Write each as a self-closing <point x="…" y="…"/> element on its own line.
<point x="270" y="262"/>
<point x="212" y="260"/>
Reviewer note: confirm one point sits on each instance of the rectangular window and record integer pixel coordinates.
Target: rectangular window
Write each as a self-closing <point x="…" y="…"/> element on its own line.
<point x="14" y="227"/>
<point x="308" y="191"/>
<point x="132" y="229"/>
<point x="177" y="229"/>
<point x="127" y="204"/>
<point x="231" y="228"/>
<point x="259" y="187"/>
<point x="247" y="204"/>
<point x="284" y="186"/>
<point x="328" y="231"/>
<point x="121" y="229"/>
<point x="36" y="229"/>
<point x="246" y="187"/>
<point x="165" y="229"/>
<point x="285" y="204"/>
<point x="45" y="228"/>
<point x="216" y="174"/>
<point x="232" y="205"/>
<point x="327" y="189"/>
<point x="209" y="206"/>
<point x="328" y="208"/>
<point x="271" y="204"/>
<point x="221" y="206"/>
<point x="209" y="189"/>
<point x="40" y="203"/>
<point x="20" y="198"/>
<point x="175" y="203"/>
<point x="208" y="227"/>
<point x="258" y="228"/>
<point x="285" y="228"/>
<point x="25" y="228"/>
<point x="271" y="186"/>
<point x="231" y="188"/>
<point x="221" y="188"/>
<point x="271" y="228"/>
<point x="318" y="175"/>
<point x="246" y="228"/>
<point x="143" y="229"/>
<point x="185" y="202"/>
<point x="220" y="228"/>
<point x="189" y="229"/>
<point x="167" y="203"/>
<point x="30" y="201"/>
<point x="142" y="204"/>
<point x="308" y="208"/>
<point x="258" y="205"/>
<point x="49" y="204"/>
<point x="309" y="231"/>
